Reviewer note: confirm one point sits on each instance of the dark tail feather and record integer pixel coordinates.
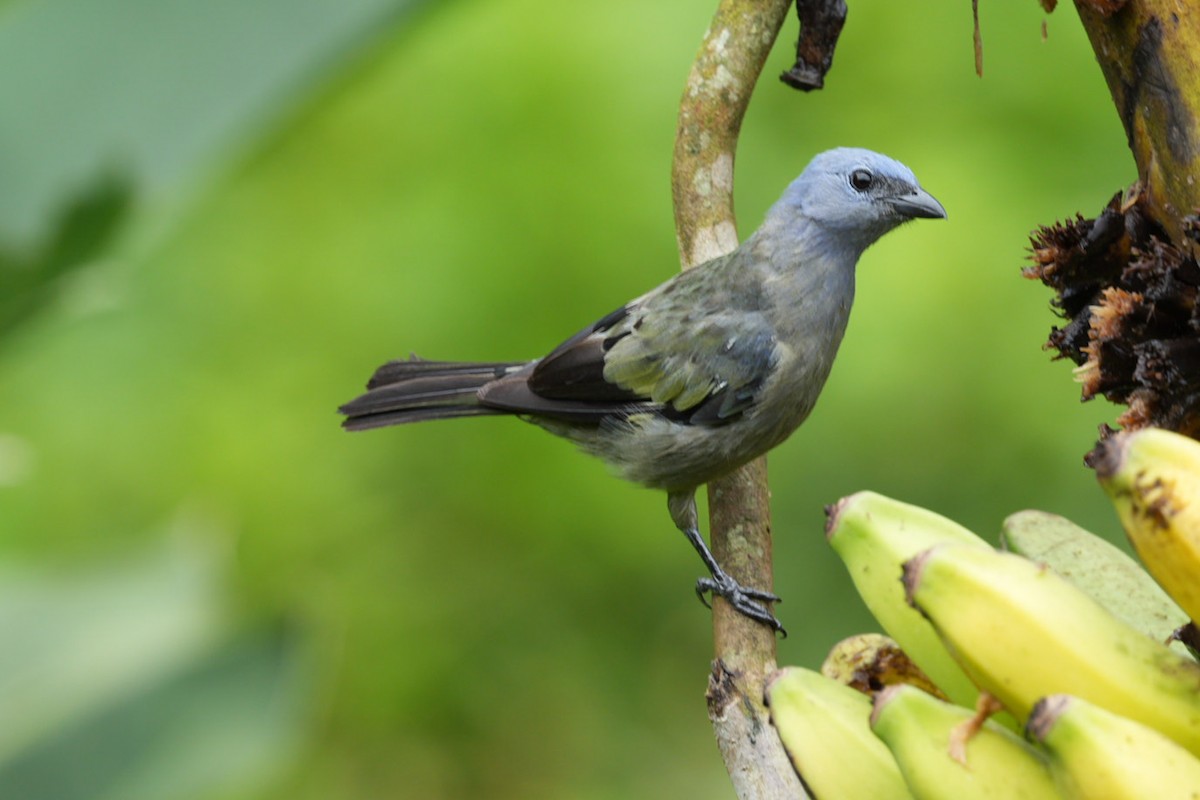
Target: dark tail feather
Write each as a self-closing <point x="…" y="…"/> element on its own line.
<point x="416" y="391"/>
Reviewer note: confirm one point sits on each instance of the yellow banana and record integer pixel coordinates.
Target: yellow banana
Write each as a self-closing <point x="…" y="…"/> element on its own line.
<point x="874" y="535"/>
<point x="919" y="730"/>
<point x="1022" y="632"/>
<point x="1102" y="571"/>
<point x="1098" y="755"/>
<point x="823" y="726"/>
<point x="869" y="662"/>
<point x="1153" y="478"/>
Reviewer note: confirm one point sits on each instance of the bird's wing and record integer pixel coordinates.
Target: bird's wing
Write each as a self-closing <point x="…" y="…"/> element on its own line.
<point x="694" y="357"/>
<point x="702" y="369"/>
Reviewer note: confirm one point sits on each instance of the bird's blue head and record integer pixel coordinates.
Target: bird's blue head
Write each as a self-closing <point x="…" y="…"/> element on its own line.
<point x="858" y="194"/>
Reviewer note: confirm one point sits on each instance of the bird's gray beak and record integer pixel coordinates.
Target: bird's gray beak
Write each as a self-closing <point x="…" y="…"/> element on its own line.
<point x="919" y="203"/>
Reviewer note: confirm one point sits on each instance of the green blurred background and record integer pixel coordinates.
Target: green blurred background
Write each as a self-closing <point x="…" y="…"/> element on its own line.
<point x="216" y="219"/>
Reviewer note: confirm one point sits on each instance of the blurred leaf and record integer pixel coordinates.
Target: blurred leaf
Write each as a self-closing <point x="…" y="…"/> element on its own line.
<point x="73" y="642"/>
<point x="83" y="230"/>
<point x="164" y="89"/>
<point x="228" y="719"/>
<point x="122" y="682"/>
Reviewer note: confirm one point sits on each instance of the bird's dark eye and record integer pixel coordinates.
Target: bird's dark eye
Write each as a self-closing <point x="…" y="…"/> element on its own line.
<point x="861" y="179"/>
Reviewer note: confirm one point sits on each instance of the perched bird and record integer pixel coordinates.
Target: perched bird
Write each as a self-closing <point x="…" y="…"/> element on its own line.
<point x="704" y="373"/>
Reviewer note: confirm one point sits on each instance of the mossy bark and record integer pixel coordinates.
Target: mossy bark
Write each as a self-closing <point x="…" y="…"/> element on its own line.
<point x="718" y="91"/>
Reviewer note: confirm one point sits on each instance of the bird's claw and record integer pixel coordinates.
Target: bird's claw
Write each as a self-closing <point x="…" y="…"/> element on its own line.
<point x="746" y="600"/>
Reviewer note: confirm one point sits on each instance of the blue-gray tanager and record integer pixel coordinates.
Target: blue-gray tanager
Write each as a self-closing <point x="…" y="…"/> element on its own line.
<point x="704" y="373"/>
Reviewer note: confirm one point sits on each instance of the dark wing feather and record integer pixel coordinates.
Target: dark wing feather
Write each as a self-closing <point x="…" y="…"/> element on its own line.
<point x="514" y="395"/>
<point x="575" y="369"/>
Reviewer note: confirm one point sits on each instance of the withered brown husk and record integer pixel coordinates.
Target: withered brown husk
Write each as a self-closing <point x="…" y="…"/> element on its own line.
<point x="1129" y="298"/>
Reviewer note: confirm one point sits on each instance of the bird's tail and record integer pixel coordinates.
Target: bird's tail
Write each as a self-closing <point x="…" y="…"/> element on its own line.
<point x="417" y="390"/>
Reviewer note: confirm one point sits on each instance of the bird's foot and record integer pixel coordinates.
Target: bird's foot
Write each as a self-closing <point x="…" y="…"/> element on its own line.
<point x="746" y="600"/>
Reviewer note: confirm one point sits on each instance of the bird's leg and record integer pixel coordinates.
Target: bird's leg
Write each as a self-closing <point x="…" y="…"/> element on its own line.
<point x="748" y="601"/>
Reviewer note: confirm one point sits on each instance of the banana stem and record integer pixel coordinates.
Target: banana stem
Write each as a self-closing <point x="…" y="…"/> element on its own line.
<point x="1149" y="52"/>
<point x="718" y="91"/>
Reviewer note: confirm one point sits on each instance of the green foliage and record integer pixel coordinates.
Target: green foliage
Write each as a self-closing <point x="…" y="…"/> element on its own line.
<point x="491" y="614"/>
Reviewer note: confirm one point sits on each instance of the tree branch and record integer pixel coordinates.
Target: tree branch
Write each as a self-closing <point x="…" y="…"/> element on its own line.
<point x="718" y="91"/>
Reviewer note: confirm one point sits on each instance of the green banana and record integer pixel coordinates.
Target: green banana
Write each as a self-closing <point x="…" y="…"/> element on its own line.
<point x="920" y="729"/>
<point x="874" y="535"/>
<point x="1098" y="755"/>
<point x="869" y="662"/>
<point x="1022" y="632"/>
<point x="1104" y="572"/>
<point x="823" y="726"/>
<point x="1153" y="479"/>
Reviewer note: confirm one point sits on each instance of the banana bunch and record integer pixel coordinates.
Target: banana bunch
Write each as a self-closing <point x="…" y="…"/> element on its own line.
<point x="1062" y="633"/>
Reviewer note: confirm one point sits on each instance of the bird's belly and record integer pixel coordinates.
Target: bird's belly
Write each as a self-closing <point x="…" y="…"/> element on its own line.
<point x="661" y="454"/>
